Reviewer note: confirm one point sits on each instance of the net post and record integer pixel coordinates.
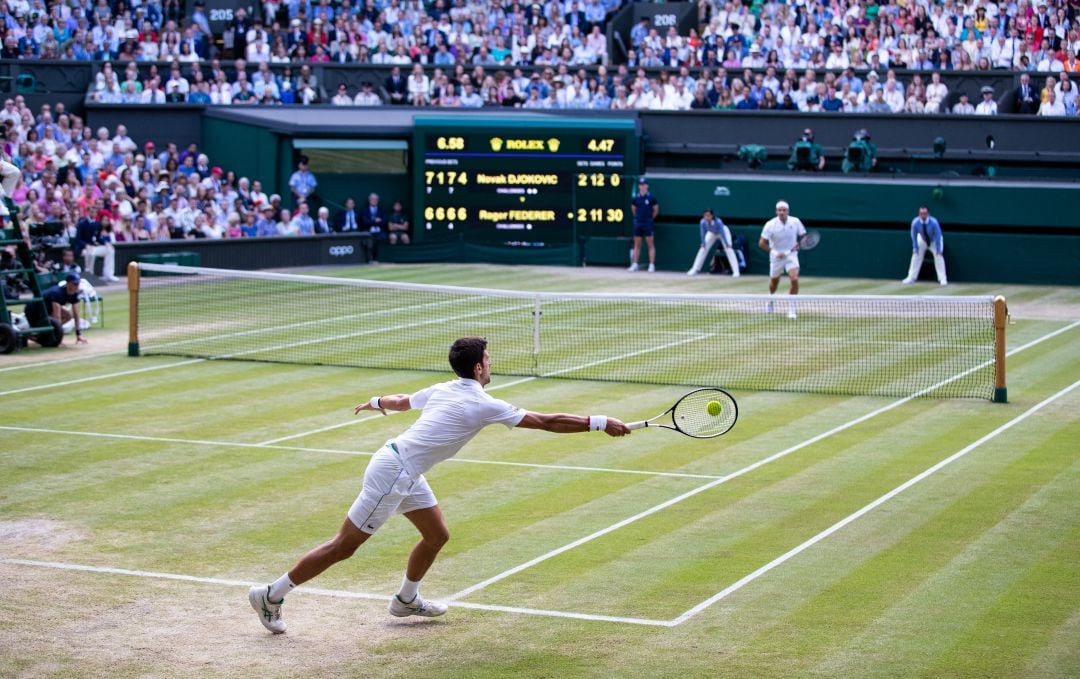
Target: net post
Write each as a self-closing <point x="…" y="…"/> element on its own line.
<point x="133" y="308"/>
<point x="1001" y="313"/>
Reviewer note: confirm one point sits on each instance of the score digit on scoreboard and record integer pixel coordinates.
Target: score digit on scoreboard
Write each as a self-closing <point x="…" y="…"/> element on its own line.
<point x="523" y="183"/>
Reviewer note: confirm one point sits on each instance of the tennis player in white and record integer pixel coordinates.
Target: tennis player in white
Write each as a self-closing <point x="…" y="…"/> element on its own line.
<point x="780" y="238"/>
<point x="453" y="413"/>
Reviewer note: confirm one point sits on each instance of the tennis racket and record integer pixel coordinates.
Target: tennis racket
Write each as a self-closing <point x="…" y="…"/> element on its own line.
<point x="810" y="240"/>
<point x="690" y="415"/>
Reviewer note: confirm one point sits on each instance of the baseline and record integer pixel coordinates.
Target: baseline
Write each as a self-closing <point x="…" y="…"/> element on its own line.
<point x="326" y="592"/>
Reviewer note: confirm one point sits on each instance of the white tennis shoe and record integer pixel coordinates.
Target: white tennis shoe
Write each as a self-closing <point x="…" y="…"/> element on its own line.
<point x="791" y="314"/>
<point x="633" y="267"/>
<point x="908" y="281"/>
<point x="652" y="268"/>
<point x="269" y="612"/>
<point x="418" y="606"/>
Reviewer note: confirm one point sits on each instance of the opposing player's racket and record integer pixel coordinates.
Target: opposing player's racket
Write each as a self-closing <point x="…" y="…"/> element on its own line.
<point x="702" y="414"/>
<point x="810" y="240"/>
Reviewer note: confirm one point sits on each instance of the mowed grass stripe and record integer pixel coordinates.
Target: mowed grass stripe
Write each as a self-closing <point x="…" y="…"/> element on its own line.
<point x="845" y="586"/>
<point x="1006" y="638"/>
<point x="975" y="576"/>
<point x="764" y="546"/>
<point x="707" y="541"/>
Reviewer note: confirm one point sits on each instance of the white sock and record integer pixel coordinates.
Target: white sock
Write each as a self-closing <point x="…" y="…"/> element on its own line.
<point x="409" y="589"/>
<point x="280" y="588"/>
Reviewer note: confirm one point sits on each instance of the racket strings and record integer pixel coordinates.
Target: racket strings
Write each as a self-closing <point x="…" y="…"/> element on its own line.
<point x="691" y="414"/>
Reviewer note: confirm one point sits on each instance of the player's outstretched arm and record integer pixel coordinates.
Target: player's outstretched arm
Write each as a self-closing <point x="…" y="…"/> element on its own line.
<point x="398" y="402"/>
<point x="564" y="423"/>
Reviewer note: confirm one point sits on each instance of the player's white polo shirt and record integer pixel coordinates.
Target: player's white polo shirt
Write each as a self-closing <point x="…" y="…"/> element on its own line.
<point x="782" y="236"/>
<point x="452" y="414"/>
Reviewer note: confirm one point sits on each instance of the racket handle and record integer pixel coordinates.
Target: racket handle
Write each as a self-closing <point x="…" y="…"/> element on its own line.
<point x="637" y="425"/>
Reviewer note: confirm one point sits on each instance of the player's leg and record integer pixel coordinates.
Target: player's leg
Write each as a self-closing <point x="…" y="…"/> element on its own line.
<point x="652" y="252"/>
<point x="635" y="253"/>
<point x="428" y="519"/>
<point x="380" y="497"/>
<point x="433" y="535"/>
<point x="791" y="265"/>
<point x="340" y="547"/>
<point x="793" y="276"/>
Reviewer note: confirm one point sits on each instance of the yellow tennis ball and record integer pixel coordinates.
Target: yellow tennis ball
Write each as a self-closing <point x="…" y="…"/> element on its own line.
<point x="714" y="408"/>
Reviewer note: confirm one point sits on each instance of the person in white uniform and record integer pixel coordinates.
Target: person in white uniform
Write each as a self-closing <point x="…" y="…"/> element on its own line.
<point x="926" y="234"/>
<point x="714" y="229"/>
<point x="780" y="238"/>
<point x="452" y="414"/>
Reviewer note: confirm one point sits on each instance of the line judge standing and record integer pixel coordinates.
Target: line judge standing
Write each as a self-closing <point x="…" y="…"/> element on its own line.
<point x="926" y="234"/>
<point x="780" y="238"/>
<point x="644" y="208"/>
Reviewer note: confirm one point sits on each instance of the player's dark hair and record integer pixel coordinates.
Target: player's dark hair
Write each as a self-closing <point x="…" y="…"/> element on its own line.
<point x="465" y="353"/>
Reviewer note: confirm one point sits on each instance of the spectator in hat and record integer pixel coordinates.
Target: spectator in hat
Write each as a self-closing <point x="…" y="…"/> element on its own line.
<point x="266" y="224"/>
<point x="987" y="107"/>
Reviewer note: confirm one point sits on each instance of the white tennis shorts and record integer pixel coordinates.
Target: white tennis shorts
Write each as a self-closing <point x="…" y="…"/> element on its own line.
<point x="779" y="265"/>
<point x="388" y="490"/>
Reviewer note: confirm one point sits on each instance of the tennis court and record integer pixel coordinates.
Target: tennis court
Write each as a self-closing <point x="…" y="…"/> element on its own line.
<point x="826" y="534"/>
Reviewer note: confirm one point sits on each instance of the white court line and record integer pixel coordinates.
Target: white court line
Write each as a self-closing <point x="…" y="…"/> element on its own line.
<point x="733" y="475"/>
<point x="356" y="453"/>
<point x="876" y="503"/>
<point x="503" y="386"/>
<point x="46" y="364"/>
<point x="136" y="371"/>
<point x="324" y="592"/>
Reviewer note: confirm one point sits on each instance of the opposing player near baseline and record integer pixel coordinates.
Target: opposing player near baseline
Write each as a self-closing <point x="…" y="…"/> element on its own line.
<point x="780" y="238"/>
<point x="452" y="414"/>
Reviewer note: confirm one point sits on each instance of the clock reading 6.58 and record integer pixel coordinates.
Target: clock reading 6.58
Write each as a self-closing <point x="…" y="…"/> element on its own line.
<point x="450" y="143"/>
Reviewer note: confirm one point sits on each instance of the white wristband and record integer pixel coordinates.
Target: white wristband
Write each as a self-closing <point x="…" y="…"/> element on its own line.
<point x="597" y="422"/>
<point x="376" y="402"/>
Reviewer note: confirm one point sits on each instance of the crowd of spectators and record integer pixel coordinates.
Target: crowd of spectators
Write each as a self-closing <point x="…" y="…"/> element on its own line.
<point x="103" y="188"/>
<point x="825" y="55"/>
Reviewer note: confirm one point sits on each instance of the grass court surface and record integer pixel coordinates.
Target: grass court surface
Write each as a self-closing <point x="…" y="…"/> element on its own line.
<point x="823" y="536"/>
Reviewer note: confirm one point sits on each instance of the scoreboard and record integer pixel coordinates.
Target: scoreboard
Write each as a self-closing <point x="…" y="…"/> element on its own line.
<point x="523" y="182"/>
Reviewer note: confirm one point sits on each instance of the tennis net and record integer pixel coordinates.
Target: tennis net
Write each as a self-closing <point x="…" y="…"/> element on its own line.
<point x="857" y="345"/>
